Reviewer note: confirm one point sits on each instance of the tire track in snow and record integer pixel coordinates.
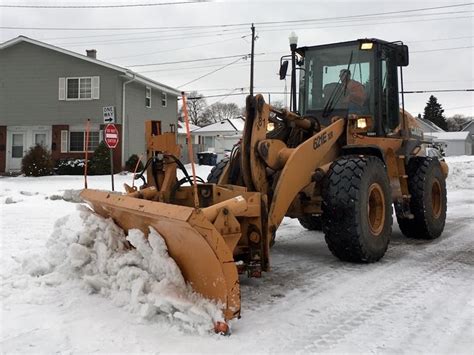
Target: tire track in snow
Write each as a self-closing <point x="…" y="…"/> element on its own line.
<point x="431" y="278"/>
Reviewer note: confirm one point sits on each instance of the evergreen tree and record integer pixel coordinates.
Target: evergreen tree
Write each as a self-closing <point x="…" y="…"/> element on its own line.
<point x="100" y="162"/>
<point x="434" y="113"/>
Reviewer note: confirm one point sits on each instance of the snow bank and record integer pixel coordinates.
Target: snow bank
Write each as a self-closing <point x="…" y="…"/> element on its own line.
<point x="144" y="279"/>
<point x="461" y="172"/>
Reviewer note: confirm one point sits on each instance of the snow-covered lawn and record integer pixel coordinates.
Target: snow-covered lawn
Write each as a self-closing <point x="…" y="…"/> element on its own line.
<point x="418" y="299"/>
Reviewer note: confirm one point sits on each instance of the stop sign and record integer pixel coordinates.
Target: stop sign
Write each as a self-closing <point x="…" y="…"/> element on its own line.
<point x="111" y="136"/>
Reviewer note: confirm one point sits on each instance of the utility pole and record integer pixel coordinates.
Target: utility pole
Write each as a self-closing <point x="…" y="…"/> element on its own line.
<point x="251" y="59"/>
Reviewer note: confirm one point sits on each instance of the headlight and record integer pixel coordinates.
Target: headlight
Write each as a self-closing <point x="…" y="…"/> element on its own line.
<point x="361" y="123"/>
<point x="366" y="46"/>
<point x="270" y="126"/>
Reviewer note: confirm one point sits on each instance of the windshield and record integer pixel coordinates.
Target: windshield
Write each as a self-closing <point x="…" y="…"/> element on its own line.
<point x="339" y="78"/>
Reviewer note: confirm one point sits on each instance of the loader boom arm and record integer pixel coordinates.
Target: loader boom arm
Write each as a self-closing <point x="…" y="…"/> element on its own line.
<point x="295" y="165"/>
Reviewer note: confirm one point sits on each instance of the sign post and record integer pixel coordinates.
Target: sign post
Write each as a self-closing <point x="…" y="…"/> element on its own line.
<point x="111" y="139"/>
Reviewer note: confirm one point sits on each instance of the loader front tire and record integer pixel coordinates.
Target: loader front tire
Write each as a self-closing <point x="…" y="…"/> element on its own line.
<point x="217" y="171"/>
<point x="311" y="222"/>
<point x="427" y="187"/>
<point x="357" y="209"/>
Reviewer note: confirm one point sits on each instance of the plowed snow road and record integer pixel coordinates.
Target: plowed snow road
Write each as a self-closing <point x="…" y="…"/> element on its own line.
<point x="417" y="299"/>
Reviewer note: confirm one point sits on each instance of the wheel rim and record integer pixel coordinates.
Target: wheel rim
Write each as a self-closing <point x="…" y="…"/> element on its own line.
<point x="376" y="209"/>
<point x="436" y="198"/>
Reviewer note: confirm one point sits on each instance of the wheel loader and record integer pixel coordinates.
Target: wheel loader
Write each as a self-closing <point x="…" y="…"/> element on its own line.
<point x="337" y="162"/>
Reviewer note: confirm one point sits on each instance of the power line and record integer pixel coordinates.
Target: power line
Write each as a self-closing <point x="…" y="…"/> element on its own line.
<point x="193" y="60"/>
<point x="177" y="49"/>
<point x="232" y="25"/>
<point x="435" y="90"/>
<point x="212" y="72"/>
<point x="441" y="49"/>
<point x="100" y="6"/>
<point x="285" y="93"/>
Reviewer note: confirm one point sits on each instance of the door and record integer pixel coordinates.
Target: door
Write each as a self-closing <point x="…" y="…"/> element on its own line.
<point x="16" y="150"/>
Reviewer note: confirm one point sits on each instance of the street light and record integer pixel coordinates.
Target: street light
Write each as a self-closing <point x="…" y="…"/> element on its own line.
<point x="293" y="38"/>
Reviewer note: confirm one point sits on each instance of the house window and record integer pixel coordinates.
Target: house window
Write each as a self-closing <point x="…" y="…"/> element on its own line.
<point x="79" y="88"/>
<point x="148" y="97"/>
<point x="77" y="141"/>
<point x="163" y="99"/>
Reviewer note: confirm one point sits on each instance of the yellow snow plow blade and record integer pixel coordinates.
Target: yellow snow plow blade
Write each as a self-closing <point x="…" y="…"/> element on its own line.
<point x="204" y="254"/>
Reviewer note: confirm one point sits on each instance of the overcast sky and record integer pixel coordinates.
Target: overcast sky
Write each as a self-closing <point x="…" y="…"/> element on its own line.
<point x="425" y="32"/>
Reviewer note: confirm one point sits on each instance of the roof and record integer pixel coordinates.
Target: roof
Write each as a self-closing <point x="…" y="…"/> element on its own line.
<point x="232" y="125"/>
<point x="127" y="72"/>
<point x="430" y="124"/>
<point x="448" y="136"/>
<point x="467" y="125"/>
<point x="182" y="127"/>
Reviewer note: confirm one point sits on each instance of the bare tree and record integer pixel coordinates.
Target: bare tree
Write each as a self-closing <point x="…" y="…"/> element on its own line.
<point x="457" y="122"/>
<point x="196" y="107"/>
<point x="221" y="111"/>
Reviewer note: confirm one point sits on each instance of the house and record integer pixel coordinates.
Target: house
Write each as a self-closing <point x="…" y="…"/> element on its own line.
<point x="47" y="94"/>
<point x="457" y="143"/>
<point x="469" y="127"/>
<point x="183" y="141"/>
<point x="220" y="137"/>
<point x="427" y="126"/>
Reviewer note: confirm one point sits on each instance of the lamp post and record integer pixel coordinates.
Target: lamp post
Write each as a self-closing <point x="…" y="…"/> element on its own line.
<point x="293" y="38"/>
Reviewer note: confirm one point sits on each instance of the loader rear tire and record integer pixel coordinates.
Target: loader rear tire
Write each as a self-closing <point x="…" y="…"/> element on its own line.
<point x="427" y="187"/>
<point x="357" y="209"/>
<point x="311" y="222"/>
<point x="217" y="171"/>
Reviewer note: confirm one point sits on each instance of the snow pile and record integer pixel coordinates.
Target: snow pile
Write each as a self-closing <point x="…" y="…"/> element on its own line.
<point x="461" y="172"/>
<point x="145" y="280"/>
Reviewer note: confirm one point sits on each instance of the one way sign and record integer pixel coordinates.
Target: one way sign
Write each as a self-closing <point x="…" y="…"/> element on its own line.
<point x="109" y="114"/>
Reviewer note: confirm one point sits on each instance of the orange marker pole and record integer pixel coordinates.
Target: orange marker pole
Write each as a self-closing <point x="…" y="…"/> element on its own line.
<point x="190" y="150"/>
<point x="135" y="170"/>
<point x="86" y="148"/>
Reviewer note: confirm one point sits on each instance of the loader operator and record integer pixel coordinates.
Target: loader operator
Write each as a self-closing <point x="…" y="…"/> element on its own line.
<point x="354" y="93"/>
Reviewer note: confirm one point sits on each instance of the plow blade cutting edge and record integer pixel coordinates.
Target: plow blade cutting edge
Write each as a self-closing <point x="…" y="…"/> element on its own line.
<point x="202" y="254"/>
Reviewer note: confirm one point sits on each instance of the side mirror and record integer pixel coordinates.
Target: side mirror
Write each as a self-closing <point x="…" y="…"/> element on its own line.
<point x="402" y="56"/>
<point x="283" y="69"/>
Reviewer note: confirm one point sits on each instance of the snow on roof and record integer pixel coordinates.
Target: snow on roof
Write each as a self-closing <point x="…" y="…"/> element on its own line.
<point x="430" y="124"/>
<point x="449" y="136"/>
<point x="129" y="73"/>
<point x="224" y="126"/>
<point x="182" y="127"/>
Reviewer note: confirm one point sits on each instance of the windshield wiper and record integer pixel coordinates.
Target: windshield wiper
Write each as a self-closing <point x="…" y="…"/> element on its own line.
<point x="336" y="92"/>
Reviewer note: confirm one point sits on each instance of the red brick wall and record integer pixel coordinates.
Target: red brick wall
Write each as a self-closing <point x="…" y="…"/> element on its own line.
<point x="3" y="148"/>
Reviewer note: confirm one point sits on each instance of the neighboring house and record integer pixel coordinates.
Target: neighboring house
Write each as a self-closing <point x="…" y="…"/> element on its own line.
<point x="220" y="137"/>
<point x="47" y="94"/>
<point x="183" y="141"/>
<point x="427" y="126"/>
<point x="469" y="127"/>
<point x="457" y="143"/>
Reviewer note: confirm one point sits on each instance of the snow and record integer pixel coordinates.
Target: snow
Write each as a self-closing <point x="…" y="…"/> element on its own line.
<point x="449" y="136"/>
<point x="68" y="284"/>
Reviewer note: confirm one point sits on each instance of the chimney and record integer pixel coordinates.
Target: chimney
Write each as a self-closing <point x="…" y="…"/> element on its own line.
<point x="91" y="53"/>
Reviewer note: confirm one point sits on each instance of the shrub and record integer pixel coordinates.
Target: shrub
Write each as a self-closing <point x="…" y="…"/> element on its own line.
<point x="100" y="162"/>
<point x="70" y="167"/>
<point x="37" y="162"/>
<point x="132" y="162"/>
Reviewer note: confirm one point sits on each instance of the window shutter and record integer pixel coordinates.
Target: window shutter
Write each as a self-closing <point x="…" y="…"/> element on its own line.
<point x="64" y="143"/>
<point x="101" y="135"/>
<point x="96" y="87"/>
<point x="62" y="89"/>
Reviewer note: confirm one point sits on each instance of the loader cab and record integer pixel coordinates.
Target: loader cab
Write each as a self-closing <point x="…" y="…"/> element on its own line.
<point x="358" y="77"/>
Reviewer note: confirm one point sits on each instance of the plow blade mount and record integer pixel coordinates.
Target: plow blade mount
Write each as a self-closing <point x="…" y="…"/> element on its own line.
<point x="201" y="253"/>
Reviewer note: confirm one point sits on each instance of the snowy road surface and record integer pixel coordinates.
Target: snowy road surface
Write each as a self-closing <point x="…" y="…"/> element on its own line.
<point x="418" y="299"/>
